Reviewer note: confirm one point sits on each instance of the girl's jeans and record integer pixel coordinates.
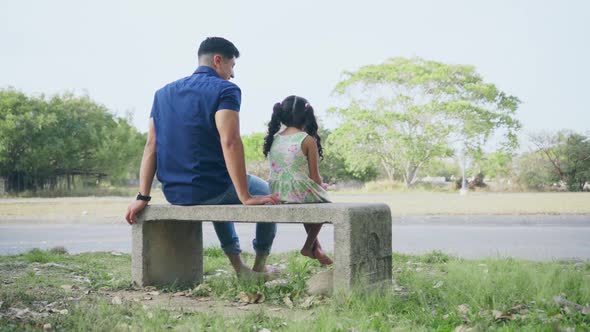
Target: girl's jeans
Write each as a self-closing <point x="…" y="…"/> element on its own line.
<point x="265" y="232"/>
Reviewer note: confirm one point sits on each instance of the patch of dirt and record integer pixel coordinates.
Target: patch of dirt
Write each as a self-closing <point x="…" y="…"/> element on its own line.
<point x="183" y="303"/>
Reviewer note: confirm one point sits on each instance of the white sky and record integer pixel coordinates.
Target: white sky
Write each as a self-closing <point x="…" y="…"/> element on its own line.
<point x="120" y="52"/>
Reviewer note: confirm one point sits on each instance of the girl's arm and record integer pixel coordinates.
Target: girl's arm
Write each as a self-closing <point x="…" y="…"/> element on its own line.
<point x="310" y="149"/>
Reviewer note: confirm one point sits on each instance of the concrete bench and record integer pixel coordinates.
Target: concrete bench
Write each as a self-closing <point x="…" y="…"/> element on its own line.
<point x="168" y="240"/>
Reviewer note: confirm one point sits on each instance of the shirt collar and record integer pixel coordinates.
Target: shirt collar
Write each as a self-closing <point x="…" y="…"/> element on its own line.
<point x="206" y="70"/>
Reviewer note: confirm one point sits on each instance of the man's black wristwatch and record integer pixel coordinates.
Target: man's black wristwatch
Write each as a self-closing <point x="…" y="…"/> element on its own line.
<point x="141" y="197"/>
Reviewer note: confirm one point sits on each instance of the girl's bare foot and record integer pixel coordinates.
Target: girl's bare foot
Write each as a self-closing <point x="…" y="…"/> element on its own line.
<point x="316" y="252"/>
<point x="321" y="256"/>
<point x="307" y="252"/>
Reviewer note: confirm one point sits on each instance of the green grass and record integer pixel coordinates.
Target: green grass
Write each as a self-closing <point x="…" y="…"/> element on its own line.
<point x="430" y="292"/>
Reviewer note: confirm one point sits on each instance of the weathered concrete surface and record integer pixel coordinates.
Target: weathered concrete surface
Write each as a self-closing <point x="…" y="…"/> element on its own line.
<point x="321" y="283"/>
<point x="285" y="213"/>
<point x="362" y="248"/>
<point x="167" y="253"/>
<point x="362" y="236"/>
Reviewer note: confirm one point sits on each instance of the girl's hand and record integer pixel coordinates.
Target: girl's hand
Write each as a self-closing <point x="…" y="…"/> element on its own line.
<point x="325" y="186"/>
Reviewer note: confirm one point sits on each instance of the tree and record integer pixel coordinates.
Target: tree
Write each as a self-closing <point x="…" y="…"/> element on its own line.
<point x="569" y="155"/>
<point x="403" y="113"/>
<point x="334" y="168"/>
<point x="494" y="165"/>
<point x="45" y="140"/>
<point x="253" y="147"/>
<point x="533" y="171"/>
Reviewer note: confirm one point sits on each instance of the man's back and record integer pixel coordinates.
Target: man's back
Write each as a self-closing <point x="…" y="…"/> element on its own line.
<point x="190" y="163"/>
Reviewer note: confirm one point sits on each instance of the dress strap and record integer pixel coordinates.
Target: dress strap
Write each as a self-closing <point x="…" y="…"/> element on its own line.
<point x="301" y="136"/>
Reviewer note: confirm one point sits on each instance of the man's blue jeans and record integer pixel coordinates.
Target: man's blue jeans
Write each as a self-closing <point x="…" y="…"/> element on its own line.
<point x="265" y="232"/>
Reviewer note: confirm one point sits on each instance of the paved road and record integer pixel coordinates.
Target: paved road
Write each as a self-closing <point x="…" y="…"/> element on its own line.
<point x="536" y="237"/>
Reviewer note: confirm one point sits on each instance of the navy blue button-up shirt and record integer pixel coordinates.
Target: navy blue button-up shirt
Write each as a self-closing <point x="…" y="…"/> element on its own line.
<point x="190" y="163"/>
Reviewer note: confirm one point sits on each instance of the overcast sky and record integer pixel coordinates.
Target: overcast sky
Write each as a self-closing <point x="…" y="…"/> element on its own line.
<point x="120" y="52"/>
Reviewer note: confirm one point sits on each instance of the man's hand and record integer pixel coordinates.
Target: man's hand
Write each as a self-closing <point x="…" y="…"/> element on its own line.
<point x="262" y="200"/>
<point x="133" y="209"/>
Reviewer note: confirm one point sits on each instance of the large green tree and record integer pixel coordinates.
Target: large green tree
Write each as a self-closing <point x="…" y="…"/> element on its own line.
<point x="569" y="155"/>
<point x="403" y="113"/>
<point x="43" y="141"/>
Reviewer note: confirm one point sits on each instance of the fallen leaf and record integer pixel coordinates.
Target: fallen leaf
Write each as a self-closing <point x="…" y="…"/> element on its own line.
<point x="244" y="298"/>
<point x="445" y="317"/>
<point x="463" y="309"/>
<point x="116" y="300"/>
<point x="136" y="300"/>
<point x="264" y="330"/>
<point x="201" y="290"/>
<point x="287" y="301"/>
<point x="585" y="311"/>
<point x="462" y="328"/>
<point x="20" y="313"/>
<point x="66" y="287"/>
<point x="276" y="283"/>
<point x="150" y="315"/>
<point x="52" y="265"/>
<point x="149" y="288"/>
<point x="148" y="298"/>
<point x="178" y="316"/>
<point x="260" y="298"/>
<point x="153" y="293"/>
<point x="179" y="294"/>
<point x="503" y="316"/>
<point x="438" y="284"/>
<point x="47" y="327"/>
<point x="519" y="309"/>
<point x="484" y="312"/>
<point x="567" y="304"/>
<point x="308" y="302"/>
<point x="64" y="311"/>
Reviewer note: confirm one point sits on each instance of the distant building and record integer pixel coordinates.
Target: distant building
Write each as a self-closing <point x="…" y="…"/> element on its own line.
<point x="434" y="179"/>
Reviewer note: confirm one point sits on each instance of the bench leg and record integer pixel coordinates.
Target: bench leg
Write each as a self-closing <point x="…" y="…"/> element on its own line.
<point x="362" y="249"/>
<point x="167" y="252"/>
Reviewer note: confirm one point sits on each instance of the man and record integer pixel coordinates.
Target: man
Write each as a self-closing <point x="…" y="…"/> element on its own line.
<point x="194" y="144"/>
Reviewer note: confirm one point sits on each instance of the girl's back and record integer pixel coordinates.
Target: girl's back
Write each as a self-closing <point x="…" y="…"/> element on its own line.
<point x="289" y="171"/>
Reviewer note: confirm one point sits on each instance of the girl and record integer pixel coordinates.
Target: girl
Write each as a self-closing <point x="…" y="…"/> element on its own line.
<point x="294" y="154"/>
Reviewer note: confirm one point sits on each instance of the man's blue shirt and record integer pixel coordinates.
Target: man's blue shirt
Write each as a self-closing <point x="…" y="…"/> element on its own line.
<point x="190" y="163"/>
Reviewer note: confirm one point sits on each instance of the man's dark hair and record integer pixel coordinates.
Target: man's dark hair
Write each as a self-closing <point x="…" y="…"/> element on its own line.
<point x="218" y="45"/>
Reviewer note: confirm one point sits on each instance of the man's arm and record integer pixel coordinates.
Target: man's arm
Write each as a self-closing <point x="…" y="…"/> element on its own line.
<point x="228" y="125"/>
<point x="146" y="173"/>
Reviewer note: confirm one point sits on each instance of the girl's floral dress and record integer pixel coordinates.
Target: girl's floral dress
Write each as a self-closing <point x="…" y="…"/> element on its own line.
<point x="289" y="172"/>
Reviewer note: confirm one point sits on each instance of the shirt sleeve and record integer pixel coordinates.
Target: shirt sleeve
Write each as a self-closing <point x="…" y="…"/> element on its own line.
<point x="230" y="98"/>
<point x="154" y="111"/>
